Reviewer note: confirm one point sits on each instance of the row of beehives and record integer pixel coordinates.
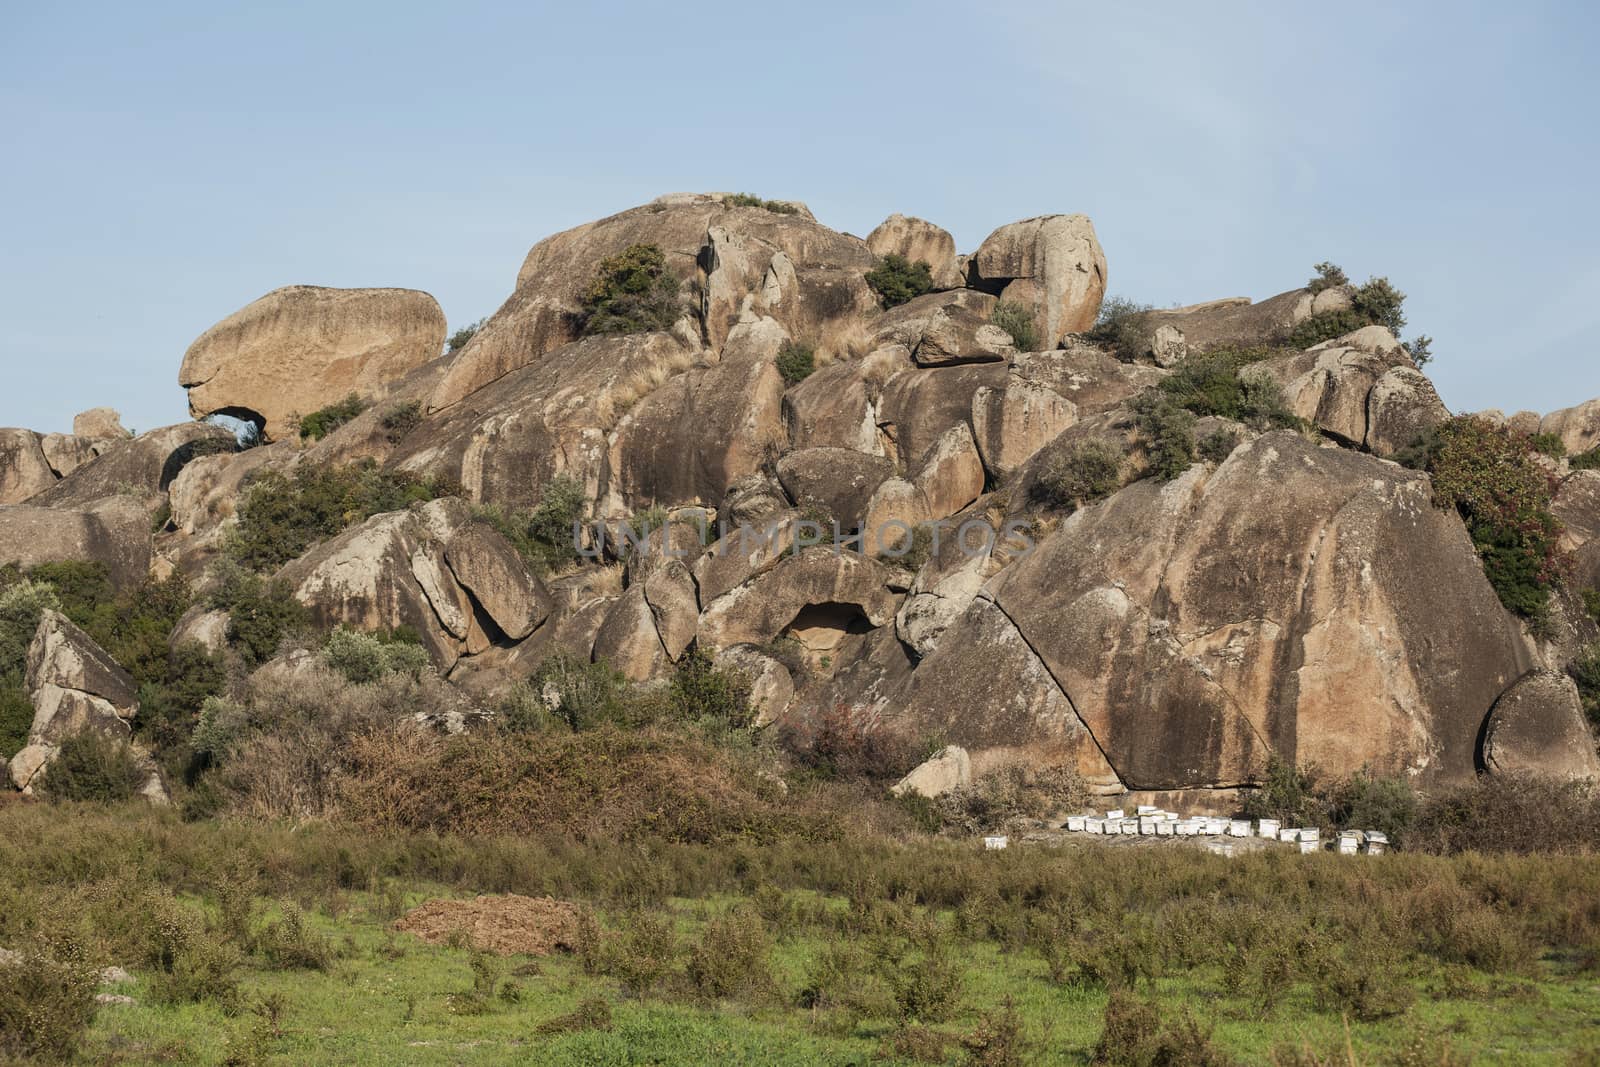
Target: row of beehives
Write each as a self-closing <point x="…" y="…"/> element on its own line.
<point x="1149" y="821"/>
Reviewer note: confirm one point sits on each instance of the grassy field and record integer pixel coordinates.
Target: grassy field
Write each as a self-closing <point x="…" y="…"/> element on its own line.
<point x="264" y="943"/>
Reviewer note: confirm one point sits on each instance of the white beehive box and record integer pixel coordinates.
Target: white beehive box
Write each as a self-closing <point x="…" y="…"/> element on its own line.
<point x="1130" y="826"/>
<point x="1075" y="823"/>
<point x="1377" y="842"/>
<point x="1288" y="835"/>
<point x="1115" y="813"/>
<point x="994" y="844"/>
<point x="1164" y="828"/>
<point x="1146" y="809"/>
<point x="1215" y="825"/>
<point x="1310" y="841"/>
<point x="1267" y="828"/>
<point x="1094" y="826"/>
<point x="1349" y="842"/>
<point x="1113" y="826"/>
<point x="1147" y="825"/>
<point x="1239" y="828"/>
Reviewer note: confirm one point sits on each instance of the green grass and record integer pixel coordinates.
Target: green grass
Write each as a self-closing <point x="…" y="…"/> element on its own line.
<point x="388" y="1000"/>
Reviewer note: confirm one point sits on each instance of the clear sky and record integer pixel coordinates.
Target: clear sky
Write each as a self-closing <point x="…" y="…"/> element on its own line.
<point x="167" y="163"/>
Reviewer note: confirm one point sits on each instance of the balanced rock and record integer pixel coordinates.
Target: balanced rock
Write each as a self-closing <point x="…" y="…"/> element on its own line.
<point x="1052" y="265"/>
<point x="1537" y="728"/>
<point x="98" y="422"/>
<point x="949" y="768"/>
<point x="24" y="471"/>
<point x="302" y="347"/>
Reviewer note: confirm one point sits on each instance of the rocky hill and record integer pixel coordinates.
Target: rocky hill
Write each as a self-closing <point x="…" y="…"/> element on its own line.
<point x="944" y="497"/>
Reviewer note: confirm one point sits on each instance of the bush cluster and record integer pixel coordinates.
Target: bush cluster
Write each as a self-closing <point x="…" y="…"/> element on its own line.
<point x="1220" y="383"/>
<point x="897" y="279"/>
<point x="1119" y="327"/>
<point x="543" y="536"/>
<point x="363" y="657"/>
<point x="1376" y="302"/>
<point x="777" y="207"/>
<point x="1017" y="320"/>
<point x="283" y="514"/>
<point x="796" y="361"/>
<point x="1079" y="474"/>
<point x="401" y="419"/>
<point x="262" y="612"/>
<point x="632" y="292"/>
<point x="1487" y="473"/>
<point x="322" y="422"/>
<point x="461" y="337"/>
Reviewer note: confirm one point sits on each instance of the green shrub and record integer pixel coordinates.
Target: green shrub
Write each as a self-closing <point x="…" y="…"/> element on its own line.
<point x="400" y="420"/>
<point x="1218" y="383"/>
<point x="545" y="536"/>
<point x="1548" y="444"/>
<point x="1218" y="445"/>
<point x="591" y="1014"/>
<point x="1080" y="474"/>
<point x="282" y="515"/>
<point x="1328" y="276"/>
<point x="997" y="1040"/>
<point x="642" y="954"/>
<point x="580" y="693"/>
<point x="289" y="943"/>
<point x="46" y="1004"/>
<point x="1133" y="1034"/>
<point x="1119" y="326"/>
<point x="219" y="729"/>
<point x="1289" y="794"/>
<point x="91" y="767"/>
<point x="22" y="602"/>
<point x="362" y="657"/>
<point x="927" y="986"/>
<point x="729" y="959"/>
<point x="1585" y="461"/>
<point x="796" y="361"/>
<point x="261" y="613"/>
<point x="1017" y="320"/>
<point x="897" y="279"/>
<point x="1166" y="430"/>
<point x="777" y="207"/>
<point x="16" y="719"/>
<point x="1365" y="979"/>
<point x="1585" y="671"/>
<point x="322" y="422"/>
<point x="704" y="693"/>
<point x="459" y="339"/>
<point x="169" y="707"/>
<point x="632" y="292"/>
<point x="1487" y="474"/>
<point x="1420" y="349"/>
<point x="1533" y="815"/>
<point x="1367" y="802"/>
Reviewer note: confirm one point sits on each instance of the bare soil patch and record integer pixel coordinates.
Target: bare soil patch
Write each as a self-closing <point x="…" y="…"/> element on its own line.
<point x="505" y="925"/>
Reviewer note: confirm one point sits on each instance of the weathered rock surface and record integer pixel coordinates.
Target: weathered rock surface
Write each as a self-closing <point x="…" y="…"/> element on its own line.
<point x="547" y="420"/>
<point x="1578" y="427"/>
<point x="917" y="239"/>
<point x="837" y="481"/>
<point x="1236" y="322"/>
<point x="302" y="347"/>
<point x="771" y="684"/>
<point x="949" y="768"/>
<point x="944" y="328"/>
<point x="1011" y="423"/>
<point x="75" y="687"/>
<point x="919" y="406"/>
<point x="24" y="471"/>
<point x="140" y="469"/>
<point x="1537" y="728"/>
<point x="1092" y="379"/>
<point x="115" y="532"/>
<point x="98" y="422"/>
<point x="1052" y="264"/>
<point x="393" y="570"/>
<point x="1288" y="602"/>
<point x="837" y="407"/>
<point x="848" y="590"/>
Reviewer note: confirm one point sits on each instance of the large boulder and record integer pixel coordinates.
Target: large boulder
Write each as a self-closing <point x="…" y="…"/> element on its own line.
<point x="919" y="406"/>
<point x="1234" y="322"/>
<point x="546" y="420"/>
<point x="837" y="481"/>
<point x="1013" y="422"/>
<point x="771" y="684"/>
<point x="302" y="347"/>
<point x="917" y="239"/>
<point x="738" y="258"/>
<point x="1335" y="386"/>
<point x="1092" y="379"/>
<point x="395" y="569"/>
<point x="1578" y="427"/>
<point x="838" y="405"/>
<point x="115" y="532"/>
<point x="1537" y="728"/>
<point x="1052" y="265"/>
<point x="821" y="588"/>
<point x="944" y="328"/>
<point x="138" y="469"/>
<point x="99" y="422"/>
<point x="698" y="433"/>
<point x="1304" y="601"/>
<point x="24" y="471"/>
<point x="75" y="688"/>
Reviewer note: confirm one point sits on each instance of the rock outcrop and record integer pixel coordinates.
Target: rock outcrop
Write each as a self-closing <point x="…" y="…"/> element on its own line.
<point x="302" y="347"/>
<point x="1537" y="729"/>
<point x="918" y="239"/>
<point x="1052" y="265"/>
<point x="24" y="471"/>
<point x="75" y="688"/>
<point x="114" y="532"/>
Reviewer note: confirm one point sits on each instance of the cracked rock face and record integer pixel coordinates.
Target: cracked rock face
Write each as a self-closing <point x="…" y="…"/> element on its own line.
<point x="1288" y="601"/>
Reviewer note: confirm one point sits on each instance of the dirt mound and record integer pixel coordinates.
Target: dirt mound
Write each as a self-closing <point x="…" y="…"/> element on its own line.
<point x="505" y="925"/>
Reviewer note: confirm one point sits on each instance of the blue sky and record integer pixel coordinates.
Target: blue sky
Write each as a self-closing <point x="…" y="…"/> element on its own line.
<point x="166" y="163"/>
